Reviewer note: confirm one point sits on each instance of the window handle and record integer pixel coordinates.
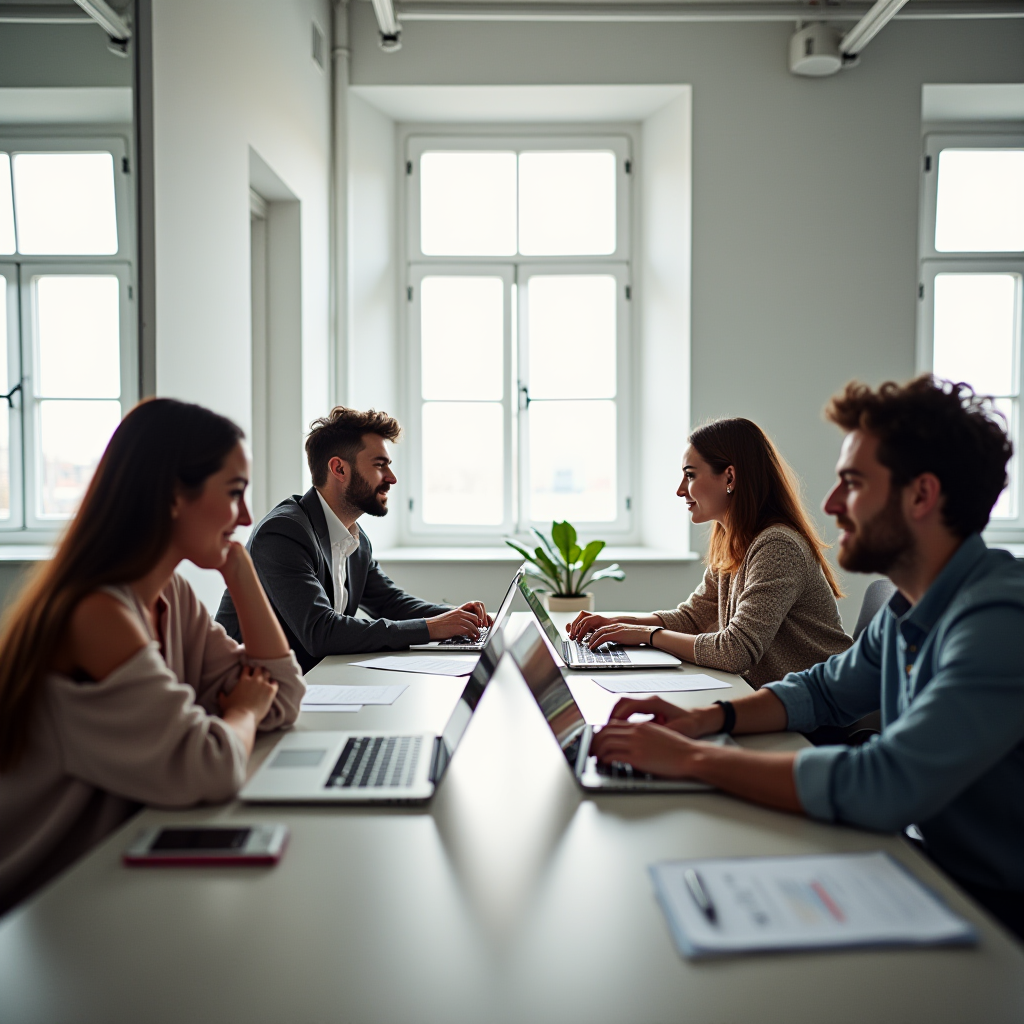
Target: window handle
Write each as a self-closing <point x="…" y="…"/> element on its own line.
<point x="524" y="397"/>
<point x="10" y="394"/>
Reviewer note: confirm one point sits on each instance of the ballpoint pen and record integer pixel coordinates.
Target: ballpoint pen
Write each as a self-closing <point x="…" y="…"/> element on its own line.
<point x="700" y="895"/>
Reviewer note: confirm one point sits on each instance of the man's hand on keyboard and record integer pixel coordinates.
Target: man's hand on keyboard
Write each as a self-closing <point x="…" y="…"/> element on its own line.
<point x="692" y="722"/>
<point x="466" y="620"/>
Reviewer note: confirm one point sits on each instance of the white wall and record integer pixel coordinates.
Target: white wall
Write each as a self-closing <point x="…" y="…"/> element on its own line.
<point x="227" y="76"/>
<point x="805" y="209"/>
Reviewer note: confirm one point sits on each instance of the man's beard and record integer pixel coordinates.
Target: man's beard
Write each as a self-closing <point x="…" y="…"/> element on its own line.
<point x="361" y="497"/>
<point x="881" y="543"/>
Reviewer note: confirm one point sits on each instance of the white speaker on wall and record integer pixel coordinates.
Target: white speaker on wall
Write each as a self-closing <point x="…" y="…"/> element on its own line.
<point x="814" y="51"/>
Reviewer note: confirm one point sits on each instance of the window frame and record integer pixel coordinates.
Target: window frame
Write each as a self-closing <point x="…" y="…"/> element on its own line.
<point x="932" y="262"/>
<point x="26" y="526"/>
<point x="414" y="140"/>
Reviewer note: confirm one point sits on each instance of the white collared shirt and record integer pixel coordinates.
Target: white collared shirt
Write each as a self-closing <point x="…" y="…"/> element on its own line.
<point x="343" y="543"/>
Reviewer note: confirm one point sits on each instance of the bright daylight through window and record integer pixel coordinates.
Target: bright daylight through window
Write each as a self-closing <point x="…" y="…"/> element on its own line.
<point x="64" y="323"/>
<point x="518" y="288"/>
<point x="972" y="269"/>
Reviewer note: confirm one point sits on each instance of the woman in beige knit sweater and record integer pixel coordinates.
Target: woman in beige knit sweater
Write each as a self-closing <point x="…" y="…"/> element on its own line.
<point x="767" y="603"/>
<point x="116" y="686"/>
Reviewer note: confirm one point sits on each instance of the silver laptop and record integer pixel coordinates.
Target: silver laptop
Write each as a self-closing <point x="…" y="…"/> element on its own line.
<point x="580" y="656"/>
<point x="369" y="767"/>
<point x="465" y="643"/>
<point x="570" y="729"/>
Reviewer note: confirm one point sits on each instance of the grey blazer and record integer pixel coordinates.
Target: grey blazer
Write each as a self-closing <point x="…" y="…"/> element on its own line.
<point x="292" y="551"/>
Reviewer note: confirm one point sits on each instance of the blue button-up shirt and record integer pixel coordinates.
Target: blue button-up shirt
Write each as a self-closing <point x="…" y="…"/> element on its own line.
<point x="948" y="675"/>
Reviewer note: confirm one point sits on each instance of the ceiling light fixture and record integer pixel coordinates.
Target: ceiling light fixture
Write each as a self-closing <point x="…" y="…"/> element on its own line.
<point x="818" y="50"/>
<point x="387" y="23"/>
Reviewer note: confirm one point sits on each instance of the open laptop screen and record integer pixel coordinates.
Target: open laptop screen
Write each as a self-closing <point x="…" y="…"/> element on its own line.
<point x="467" y="703"/>
<point x="538" y="609"/>
<point x="549" y="689"/>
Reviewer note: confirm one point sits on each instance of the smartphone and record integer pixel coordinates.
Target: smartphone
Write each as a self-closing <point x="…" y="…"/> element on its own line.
<point x="208" y="844"/>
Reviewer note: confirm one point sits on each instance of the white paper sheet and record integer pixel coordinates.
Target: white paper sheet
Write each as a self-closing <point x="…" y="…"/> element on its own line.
<point x="827" y="901"/>
<point x="331" y="707"/>
<point x="658" y="682"/>
<point x="351" y="696"/>
<point x="427" y="664"/>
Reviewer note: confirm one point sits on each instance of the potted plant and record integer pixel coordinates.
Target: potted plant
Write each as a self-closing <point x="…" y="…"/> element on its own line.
<point x="565" y="568"/>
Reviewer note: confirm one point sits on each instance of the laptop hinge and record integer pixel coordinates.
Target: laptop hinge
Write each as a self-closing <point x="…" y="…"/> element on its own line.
<point x="438" y="761"/>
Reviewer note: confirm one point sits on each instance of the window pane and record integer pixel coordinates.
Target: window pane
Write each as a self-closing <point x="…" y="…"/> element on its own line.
<point x="468" y="204"/>
<point x="980" y="202"/>
<point x="462" y="337"/>
<point x="572" y="330"/>
<point x="567" y="204"/>
<point x="975" y="330"/>
<point x="64" y="203"/>
<point x="463" y="458"/>
<point x="572" y="481"/>
<point x="6" y="206"/>
<point x="1006" y="504"/>
<point x="79" y="331"/>
<point x="72" y="438"/>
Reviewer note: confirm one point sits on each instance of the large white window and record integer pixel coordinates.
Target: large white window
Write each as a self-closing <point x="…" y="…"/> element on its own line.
<point x="972" y="268"/>
<point x="518" y="295"/>
<point x="68" y="371"/>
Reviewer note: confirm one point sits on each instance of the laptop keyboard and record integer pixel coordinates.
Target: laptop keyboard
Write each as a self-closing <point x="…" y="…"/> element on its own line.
<point x="465" y="641"/>
<point x="618" y="770"/>
<point x="580" y="652"/>
<point x="376" y="762"/>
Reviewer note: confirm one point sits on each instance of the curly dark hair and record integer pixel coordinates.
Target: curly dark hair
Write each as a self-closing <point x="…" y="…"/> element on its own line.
<point x="934" y="426"/>
<point x="340" y="433"/>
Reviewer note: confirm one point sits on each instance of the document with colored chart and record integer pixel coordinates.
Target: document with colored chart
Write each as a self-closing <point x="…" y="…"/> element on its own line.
<point x="743" y="904"/>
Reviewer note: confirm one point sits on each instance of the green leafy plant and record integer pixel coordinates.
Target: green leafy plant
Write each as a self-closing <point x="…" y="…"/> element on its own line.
<point x="564" y="566"/>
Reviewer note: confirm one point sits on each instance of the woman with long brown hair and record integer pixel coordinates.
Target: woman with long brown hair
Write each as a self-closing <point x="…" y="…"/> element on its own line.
<point x="116" y="686"/>
<point x="767" y="603"/>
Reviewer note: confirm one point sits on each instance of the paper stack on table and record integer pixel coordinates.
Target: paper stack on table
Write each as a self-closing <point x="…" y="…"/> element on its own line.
<point x="744" y="904"/>
<point x="349" y="698"/>
<point x="674" y="681"/>
<point x="428" y="664"/>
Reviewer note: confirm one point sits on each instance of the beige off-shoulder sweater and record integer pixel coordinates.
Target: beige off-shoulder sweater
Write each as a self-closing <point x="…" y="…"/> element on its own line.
<point x="148" y="733"/>
<point x="775" y="614"/>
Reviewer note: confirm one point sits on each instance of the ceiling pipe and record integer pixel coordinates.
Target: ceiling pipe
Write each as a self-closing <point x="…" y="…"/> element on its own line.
<point x="869" y="26"/>
<point x="387" y="23"/>
<point x="111" y="22"/>
<point x="533" y="11"/>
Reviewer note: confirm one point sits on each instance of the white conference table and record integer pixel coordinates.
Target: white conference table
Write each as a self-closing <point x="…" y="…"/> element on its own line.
<point x="511" y="897"/>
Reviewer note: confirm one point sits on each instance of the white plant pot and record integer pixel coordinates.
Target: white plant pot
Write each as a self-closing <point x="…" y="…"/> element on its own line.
<point x="580" y="603"/>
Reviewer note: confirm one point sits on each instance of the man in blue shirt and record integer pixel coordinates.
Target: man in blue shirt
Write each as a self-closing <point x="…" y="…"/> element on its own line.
<point x="920" y="469"/>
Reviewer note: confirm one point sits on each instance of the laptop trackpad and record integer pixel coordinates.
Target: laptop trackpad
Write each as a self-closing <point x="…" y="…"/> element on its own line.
<point x="645" y="656"/>
<point x="298" y="758"/>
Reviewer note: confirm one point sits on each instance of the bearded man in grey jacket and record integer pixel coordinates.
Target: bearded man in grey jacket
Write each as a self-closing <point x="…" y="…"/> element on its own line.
<point x="317" y="565"/>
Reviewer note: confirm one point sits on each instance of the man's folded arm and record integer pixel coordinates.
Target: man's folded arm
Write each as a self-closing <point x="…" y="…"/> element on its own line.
<point x="384" y="598"/>
<point x="969" y="717"/>
<point x="287" y="571"/>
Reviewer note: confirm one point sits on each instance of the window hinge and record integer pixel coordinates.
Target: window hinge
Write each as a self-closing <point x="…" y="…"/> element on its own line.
<point x="408" y="293"/>
<point x="920" y="291"/>
<point x="629" y="292"/>
<point x="629" y="504"/>
<point x="927" y="164"/>
<point x="125" y="166"/>
<point x="629" y="166"/>
<point x="410" y="504"/>
<point x="408" y="167"/>
<point x="131" y="293"/>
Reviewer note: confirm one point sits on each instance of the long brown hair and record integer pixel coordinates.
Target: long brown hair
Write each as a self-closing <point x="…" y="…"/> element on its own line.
<point x="161" y="449"/>
<point x="765" y="494"/>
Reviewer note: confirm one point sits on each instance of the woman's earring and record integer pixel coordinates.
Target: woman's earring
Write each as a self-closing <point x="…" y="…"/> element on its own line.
<point x="728" y="490"/>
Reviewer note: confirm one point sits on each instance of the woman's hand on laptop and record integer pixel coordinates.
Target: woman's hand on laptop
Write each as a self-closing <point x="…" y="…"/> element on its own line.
<point x="590" y="622"/>
<point x="465" y="620"/>
<point x="692" y="722"/>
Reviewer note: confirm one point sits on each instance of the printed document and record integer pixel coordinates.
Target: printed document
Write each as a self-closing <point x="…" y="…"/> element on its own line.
<point x="349" y="698"/>
<point x="737" y="905"/>
<point x="658" y="682"/>
<point x="426" y="664"/>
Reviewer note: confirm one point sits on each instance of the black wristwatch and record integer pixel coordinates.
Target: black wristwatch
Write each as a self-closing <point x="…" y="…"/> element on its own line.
<point x="730" y="716"/>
